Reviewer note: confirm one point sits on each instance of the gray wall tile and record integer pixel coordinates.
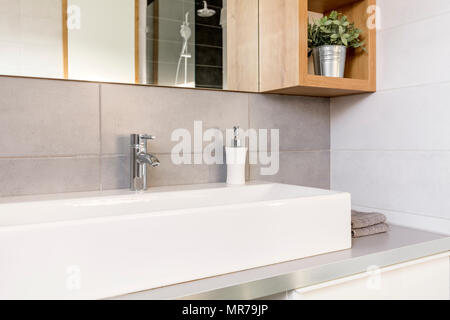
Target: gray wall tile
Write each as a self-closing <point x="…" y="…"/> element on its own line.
<point x="305" y="168"/>
<point x="48" y="175"/>
<point x="59" y="124"/>
<point x="159" y="111"/>
<point x="304" y="122"/>
<point x="116" y="173"/>
<point x="48" y="118"/>
<point x="170" y="174"/>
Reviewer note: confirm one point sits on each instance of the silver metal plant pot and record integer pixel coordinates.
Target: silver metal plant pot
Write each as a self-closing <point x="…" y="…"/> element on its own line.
<point x="329" y="61"/>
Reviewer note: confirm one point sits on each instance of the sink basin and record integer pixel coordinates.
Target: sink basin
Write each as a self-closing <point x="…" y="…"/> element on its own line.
<point x="101" y="245"/>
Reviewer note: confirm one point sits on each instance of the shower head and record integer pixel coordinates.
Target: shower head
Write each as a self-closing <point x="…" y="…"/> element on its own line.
<point x="206" y="12"/>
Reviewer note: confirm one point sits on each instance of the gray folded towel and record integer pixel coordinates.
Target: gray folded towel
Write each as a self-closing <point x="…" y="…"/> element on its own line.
<point x="364" y="219"/>
<point x="368" y="231"/>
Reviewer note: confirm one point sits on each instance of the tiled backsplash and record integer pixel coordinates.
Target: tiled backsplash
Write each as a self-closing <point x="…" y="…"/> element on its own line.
<point x="67" y="136"/>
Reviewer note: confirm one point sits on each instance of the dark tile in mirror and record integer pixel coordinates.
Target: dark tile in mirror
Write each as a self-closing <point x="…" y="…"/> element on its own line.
<point x="209" y="77"/>
<point x="208" y="56"/>
<point x="208" y="35"/>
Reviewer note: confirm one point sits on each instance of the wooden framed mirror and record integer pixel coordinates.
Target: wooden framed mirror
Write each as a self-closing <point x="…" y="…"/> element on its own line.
<point x="178" y="43"/>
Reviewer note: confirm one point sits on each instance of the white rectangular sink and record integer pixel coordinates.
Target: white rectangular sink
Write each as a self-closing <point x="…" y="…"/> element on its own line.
<point x="94" y="246"/>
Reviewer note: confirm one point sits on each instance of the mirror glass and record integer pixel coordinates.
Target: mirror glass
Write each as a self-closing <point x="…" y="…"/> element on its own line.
<point x="179" y="43"/>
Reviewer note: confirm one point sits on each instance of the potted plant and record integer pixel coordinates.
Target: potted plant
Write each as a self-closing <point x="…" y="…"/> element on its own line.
<point x="328" y="40"/>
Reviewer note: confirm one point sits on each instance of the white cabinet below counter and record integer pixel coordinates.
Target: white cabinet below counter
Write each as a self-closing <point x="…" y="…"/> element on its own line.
<point x="423" y="279"/>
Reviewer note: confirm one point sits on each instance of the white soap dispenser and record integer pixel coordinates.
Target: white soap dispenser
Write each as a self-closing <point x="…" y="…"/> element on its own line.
<point x="236" y="160"/>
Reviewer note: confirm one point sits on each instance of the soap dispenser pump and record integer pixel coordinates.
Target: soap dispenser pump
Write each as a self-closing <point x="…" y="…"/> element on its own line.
<point x="236" y="139"/>
<point x="236" y="160"/>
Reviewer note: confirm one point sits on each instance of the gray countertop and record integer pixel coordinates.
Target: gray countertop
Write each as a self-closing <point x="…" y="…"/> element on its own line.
<point x="399" y="245"/>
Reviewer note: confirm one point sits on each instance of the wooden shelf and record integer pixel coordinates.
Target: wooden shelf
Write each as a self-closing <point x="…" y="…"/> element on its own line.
<point x="284" y="50"/>
<point x="318" y="86"/>
<point x="328" y="5"/>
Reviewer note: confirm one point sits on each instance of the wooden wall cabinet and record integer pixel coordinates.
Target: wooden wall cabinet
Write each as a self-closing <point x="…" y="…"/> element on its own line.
<point x="283" y="51"/>
<point x="242" y="46"/>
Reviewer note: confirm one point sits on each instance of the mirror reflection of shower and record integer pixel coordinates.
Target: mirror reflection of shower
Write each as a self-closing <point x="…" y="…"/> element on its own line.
<point x="185" y="55"/>
<point x="185" y="32"/>
<point x="182" y="43"/>
<point x="206" y="12"/>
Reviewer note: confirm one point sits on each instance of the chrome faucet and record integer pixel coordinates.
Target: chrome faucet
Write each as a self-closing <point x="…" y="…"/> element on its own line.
<point x="140" y="159"/>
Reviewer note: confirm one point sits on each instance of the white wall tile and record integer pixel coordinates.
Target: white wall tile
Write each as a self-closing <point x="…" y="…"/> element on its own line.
<point x="35" y="28"/>
<point x="8" y="6"/>
<point x="10" y="57"/>
<point x="407" y="119"/>
<point x="49" y="9"/>
<point x="391" y="149"/>
<point x="399" y="12"/>
<point x="34" y="56"/>
<point x="10" y="27"/>
<point x="415" y="221"/>
<point x="414" y="182"/>
<point x="415" y="54"/>
<point x="380" y="49"/>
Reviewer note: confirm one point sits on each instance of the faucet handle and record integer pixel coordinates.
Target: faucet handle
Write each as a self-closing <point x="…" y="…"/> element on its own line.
<point x="138" y="140"/>
<point x="147" y="137"/>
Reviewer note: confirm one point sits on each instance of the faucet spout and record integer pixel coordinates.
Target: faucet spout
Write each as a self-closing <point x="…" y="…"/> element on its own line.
<point x="148" y="158"/>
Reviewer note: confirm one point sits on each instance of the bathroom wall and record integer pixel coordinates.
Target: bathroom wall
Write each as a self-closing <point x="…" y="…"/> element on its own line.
<point x="391" y="149"/>
<point x="24" y="51"/>
<point x="67" y="136"/>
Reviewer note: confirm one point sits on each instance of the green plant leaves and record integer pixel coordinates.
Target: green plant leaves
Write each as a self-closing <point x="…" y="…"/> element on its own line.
<point x="334" y="29"/>
<point x="333" y="15"/>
